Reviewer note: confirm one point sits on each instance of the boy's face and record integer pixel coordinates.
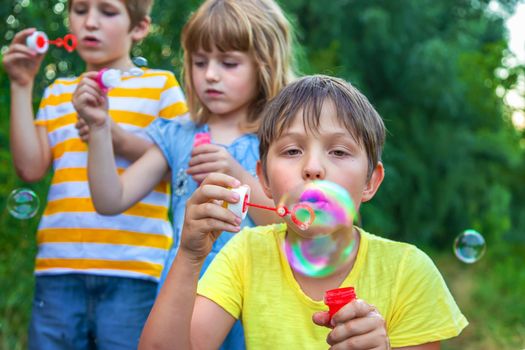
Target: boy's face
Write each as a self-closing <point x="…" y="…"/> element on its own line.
<point x="299" y="156"/>
<point x="102" y="28"/>
<point x="225" y="82"/>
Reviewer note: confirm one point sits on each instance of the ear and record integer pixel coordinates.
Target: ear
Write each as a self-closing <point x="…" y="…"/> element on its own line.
<point x="263" y="180"/>
<point x="141" y="29"/>
<point x="373" y="184"/>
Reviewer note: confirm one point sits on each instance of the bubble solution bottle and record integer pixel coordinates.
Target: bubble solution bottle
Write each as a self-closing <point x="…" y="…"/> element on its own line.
<point x="335" y="299"/>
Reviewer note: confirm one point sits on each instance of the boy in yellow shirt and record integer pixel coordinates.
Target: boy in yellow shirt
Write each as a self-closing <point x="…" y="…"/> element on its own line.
<point x="317" y="128"/>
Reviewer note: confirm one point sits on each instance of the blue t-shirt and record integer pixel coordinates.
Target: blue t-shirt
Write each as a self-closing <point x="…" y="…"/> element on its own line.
<point x="175" y="140"/>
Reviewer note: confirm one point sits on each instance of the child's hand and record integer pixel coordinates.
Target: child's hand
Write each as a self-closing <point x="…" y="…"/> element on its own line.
<point x="210" y="158"/>
<point x="90" y="101"/>
<point x="20" y="62"/>
<point x="83" y="130"/>
<point x="205" y="217"/>
<point x="356" y="326"/>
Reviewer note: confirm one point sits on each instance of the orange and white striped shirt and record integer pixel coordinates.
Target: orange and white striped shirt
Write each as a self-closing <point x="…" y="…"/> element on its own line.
<point x="72" y="237"/>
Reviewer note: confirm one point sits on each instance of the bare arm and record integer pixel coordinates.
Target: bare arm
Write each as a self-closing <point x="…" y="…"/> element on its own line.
<point x="180" y="319"/>
<point x="111" y="193"/>
<point x="29" y="144"/>
<point x="125" y="144"/>
<point x="128" y="145"/>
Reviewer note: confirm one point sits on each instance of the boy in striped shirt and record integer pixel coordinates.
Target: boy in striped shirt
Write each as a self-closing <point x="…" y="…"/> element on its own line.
<point x="96" y="276"/>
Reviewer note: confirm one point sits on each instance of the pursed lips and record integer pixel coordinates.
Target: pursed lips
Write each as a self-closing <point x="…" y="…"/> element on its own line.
<point x="90" y="40"/>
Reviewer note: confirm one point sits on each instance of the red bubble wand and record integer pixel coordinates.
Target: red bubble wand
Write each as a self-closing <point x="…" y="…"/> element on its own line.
<point x="39" y="42"/>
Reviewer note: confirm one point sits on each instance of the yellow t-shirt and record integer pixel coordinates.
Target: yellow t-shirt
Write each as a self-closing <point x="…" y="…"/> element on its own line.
<point x="251" y="279"/>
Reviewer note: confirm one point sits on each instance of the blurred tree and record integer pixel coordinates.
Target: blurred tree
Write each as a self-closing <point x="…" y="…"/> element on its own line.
<point x="452" y="155"/>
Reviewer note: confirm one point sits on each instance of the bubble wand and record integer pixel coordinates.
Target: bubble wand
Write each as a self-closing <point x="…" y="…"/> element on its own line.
<point x="241" y="208"/>
<point x="39" y="42"/>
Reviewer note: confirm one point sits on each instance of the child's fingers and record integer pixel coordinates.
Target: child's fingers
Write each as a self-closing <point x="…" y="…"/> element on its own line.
<point x="216" y="217"/>
<point x="373" y="340"/>
<point x="355" y="309"/>
<point x="372" y="325"/>
<point x="205" y="148"/>
<point x="22" y="35"/>
<point x="206" y="168"/>
<point x="222" y="180"/>
<point x="322" y="318"/>
<point x="202" y="157"/>
<point x="199" y="178"/>
<point x="208" y="192"/>
<point x="21" y="49"/>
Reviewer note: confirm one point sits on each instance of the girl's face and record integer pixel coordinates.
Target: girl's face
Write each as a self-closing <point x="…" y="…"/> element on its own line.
<point x="102" y="28"/>
<point x="225" y="82"/>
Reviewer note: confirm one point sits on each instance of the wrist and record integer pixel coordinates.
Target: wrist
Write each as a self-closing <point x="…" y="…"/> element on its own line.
<point x="17" y="85"/>
<point x="189" y="257"/>
<point x="98" y="127"/>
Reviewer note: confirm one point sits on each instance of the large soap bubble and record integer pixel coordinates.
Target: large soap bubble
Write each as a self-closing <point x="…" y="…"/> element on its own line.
<point x="320" y="236"/>
<point x="23" y="203"/>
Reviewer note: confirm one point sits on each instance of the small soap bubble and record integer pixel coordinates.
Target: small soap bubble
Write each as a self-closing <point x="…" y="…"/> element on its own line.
<point x="136" y="72"/>
<point x="23" y="203"/>
<point x="320" y="216"/>
<point x="469" y="246"/>
<point x="139" y="61"/>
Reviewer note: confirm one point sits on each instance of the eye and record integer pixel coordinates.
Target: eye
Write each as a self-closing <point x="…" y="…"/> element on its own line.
<point x="230" y="64"/>
<point x="199" y="63"/>
<point x="79" y="9"/>
<point x="109" y="13"/>
<point x="339" y="153"/>
<point x="292" y="152"/>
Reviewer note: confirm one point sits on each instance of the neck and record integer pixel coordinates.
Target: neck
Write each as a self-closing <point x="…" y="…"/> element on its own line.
<point x="123" y="64"/>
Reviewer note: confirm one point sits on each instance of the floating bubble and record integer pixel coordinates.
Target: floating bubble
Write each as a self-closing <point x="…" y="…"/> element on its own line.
<point x="320" y="235"/>
<point x="139" y="61"/>
<point x="469" y="246"/>
<point x="23" y="203"/>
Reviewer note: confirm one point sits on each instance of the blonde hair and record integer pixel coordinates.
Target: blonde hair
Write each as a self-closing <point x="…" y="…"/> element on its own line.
<point x="137" y="10"/>
<point x="256" y="27"/>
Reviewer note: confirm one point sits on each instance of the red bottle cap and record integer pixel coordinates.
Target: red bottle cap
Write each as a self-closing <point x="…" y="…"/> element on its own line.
<point x="335" y="299"/>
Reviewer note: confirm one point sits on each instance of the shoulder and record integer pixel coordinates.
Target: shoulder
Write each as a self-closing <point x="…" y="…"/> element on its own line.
<point x="63" y="85"/>
<point x="183" y="122"/>
<point x="167" y="77"/>
<point x="399" y="257"/>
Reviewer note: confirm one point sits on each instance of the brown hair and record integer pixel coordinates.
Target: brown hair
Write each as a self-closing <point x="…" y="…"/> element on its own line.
<point x="307" y="96"/>
<point x="137" y="10"/>
<point x="257" y="27"/>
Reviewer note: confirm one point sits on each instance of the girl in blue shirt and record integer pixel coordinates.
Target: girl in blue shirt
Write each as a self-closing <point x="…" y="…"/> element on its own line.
<point x="237" y="56"/>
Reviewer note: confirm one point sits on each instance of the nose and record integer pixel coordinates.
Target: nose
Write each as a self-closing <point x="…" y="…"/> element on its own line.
<point x="212" y="73"/>
<point x="313" y="169"/>
<point x="91" y="19"/>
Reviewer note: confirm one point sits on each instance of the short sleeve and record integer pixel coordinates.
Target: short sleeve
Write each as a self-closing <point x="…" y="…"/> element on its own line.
<point x="425" y="310"/>
<point x="165" y="134"/>
<point x="42" y="115"/>
<point x="172" y="100"/>
<point x="223" y="280"/>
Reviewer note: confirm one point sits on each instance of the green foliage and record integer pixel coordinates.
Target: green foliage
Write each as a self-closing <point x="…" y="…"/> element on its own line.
<point x="453" y="159"/>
